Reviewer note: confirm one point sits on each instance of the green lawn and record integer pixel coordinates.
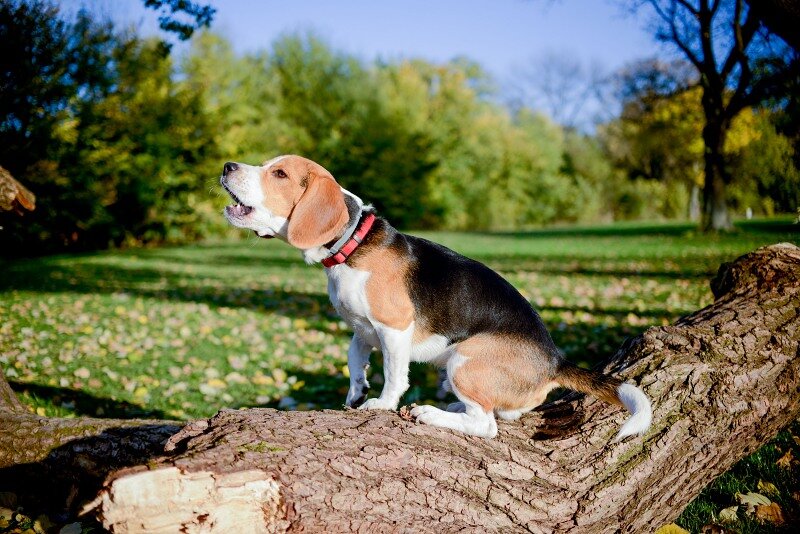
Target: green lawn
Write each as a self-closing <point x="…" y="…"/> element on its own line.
<point x="181" y="332"/>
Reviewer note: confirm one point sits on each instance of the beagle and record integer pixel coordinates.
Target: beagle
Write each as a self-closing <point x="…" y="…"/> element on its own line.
<point x="416" y="301"/>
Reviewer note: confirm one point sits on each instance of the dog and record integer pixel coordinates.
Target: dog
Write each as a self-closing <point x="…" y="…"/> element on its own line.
<point x="416" y="301"/>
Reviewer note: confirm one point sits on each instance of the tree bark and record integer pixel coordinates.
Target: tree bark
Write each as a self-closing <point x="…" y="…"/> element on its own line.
<point x="715" y="203"/>
<point x="722" y="381"/>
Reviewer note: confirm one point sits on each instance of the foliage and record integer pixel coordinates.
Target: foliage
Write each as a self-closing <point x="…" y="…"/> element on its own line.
<point x="173" y="12"/>
<point x="122" y="144"/>
<point x="98" y="127"/>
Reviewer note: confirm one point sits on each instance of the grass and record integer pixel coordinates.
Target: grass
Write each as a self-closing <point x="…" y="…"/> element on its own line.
<point x="181" y="332"/>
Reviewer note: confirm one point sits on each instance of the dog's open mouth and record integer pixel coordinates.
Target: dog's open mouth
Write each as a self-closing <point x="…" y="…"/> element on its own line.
<point x="238" y="209"/>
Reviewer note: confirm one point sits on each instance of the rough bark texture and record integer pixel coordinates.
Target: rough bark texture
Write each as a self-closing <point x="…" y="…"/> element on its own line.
<point x="722" y="381"/>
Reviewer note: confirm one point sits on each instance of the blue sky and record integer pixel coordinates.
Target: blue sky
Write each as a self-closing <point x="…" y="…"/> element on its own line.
<point x="505" y="36"/>
<point x="500" y="34"/>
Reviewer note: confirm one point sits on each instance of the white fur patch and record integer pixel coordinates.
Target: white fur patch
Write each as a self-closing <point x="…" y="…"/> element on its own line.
<point x="431" y="350"/>
<point x="638" y="404"/>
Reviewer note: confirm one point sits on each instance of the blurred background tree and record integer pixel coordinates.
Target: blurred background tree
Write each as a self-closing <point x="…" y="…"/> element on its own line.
<point x="121" y="139"/>
<point x="739" y="64"/>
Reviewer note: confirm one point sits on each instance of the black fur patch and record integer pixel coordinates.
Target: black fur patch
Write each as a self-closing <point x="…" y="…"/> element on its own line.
<point x="457" y="297"/>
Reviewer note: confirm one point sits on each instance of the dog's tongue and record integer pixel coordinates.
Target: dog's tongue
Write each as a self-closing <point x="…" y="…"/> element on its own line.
<point x="263" y="236"/>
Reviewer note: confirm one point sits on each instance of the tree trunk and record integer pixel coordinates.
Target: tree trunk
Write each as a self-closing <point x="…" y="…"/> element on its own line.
<point x="53" y="464"/>
<point x="722" y="382"/>
<point x="715" y="203"/>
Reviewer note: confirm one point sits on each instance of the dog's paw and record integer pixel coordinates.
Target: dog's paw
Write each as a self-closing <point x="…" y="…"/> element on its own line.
<point x="356" y="396"/>
<point x="426" y="414"/>
<point x="378" y="404"/>
<point x="419" y="411"/>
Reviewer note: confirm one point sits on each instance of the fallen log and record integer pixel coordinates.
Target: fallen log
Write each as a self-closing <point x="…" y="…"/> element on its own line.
<point x="722" y="382"/>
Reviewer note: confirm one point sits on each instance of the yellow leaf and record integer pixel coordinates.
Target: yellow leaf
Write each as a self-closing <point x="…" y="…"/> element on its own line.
<point x="751" y="500"/>
<point x="217" y="383"/>
<point x="41" y="411"/>
<point x="785" y="461"/>
<point x="767" y="487"/>
<point x="279" y="375"/>
<point x="346" y="371"/>
<point x="141" y="391"/>
<point x="671" y="528"/>
<point x="262" y="380"/>
<point x="728" y="515"/>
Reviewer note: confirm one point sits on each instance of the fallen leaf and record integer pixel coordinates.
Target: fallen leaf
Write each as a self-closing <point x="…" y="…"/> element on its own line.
<point x="770" y="513"/>
<point x="83" y="372"/>
<point x="712" y="528"/>
<point x="768" y="488"/>
<point x="729" y="515"/>
<point x="405" y="413"/>
<point x="751" y="500"/>
<point x="785" y="461"/>
<point x="671" y="528"/>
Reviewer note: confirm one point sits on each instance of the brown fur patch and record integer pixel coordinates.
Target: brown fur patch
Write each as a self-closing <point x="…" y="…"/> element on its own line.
<point x="502" y="373"/>
<point x="308" y="196"/>
<point x="387" y="293"/>
<point x="596" y="384"/>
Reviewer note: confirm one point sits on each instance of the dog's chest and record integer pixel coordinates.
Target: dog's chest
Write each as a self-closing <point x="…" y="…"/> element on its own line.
<point x="347" y="291"/>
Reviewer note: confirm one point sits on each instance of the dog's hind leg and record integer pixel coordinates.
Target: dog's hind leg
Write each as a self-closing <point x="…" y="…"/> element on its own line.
<point x="467" y="416"/>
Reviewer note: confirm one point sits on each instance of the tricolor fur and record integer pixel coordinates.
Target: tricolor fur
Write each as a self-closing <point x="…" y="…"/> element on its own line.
<point x="417" y="301"/>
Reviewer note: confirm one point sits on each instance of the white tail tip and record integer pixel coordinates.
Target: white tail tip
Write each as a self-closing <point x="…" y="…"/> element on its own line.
<point x="641" y="412"/>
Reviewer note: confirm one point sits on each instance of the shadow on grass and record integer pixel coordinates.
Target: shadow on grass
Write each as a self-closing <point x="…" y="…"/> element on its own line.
<point x="156" y="283"/>
<point x="675" y="229"/>
<point x="82" y="403"/>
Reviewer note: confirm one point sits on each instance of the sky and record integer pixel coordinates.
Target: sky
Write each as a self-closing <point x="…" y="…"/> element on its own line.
<point x="499" y="34"/>
<point x="504" y="36"/>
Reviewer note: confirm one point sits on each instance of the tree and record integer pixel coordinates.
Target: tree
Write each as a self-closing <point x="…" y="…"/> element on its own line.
<point x="739" y="64"/>
<point x="181" y="17"/>
<point x="722" y="381"/>
<point x="561" y="86"/>
<point x="658" y="137"/>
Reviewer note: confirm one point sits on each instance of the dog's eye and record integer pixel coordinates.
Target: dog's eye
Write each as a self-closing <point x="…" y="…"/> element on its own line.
<point x="278" y="173"/>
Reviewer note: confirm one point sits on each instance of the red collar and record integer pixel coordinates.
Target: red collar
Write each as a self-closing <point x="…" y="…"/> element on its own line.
<point x="352" y="244"/>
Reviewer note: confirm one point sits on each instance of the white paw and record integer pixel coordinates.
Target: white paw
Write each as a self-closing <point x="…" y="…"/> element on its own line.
<point x="378" y="404"/>
<point x="424" y="414"/>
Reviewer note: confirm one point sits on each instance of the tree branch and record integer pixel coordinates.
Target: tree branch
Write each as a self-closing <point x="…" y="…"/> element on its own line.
<point x="669" y="19"/>
<point x="743" y="34"/>
<point x="722" y="381"/>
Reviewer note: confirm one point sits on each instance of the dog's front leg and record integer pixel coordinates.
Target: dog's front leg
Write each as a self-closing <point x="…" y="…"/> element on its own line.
<point x="357" y="364"/>
<point x="396" y="349"/>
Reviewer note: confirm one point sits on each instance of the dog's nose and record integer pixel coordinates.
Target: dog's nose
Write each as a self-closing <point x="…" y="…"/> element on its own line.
<point x="229" y="167"/>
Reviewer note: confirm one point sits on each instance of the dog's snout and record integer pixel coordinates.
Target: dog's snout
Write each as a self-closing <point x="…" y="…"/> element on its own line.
<point x="229" y="167"/>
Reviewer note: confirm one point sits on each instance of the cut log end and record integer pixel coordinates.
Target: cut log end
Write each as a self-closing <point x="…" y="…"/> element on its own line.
<point x="166" y="500"/>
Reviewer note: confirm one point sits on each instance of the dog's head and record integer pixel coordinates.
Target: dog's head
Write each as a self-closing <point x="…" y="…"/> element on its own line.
<point x="289" y="197"/>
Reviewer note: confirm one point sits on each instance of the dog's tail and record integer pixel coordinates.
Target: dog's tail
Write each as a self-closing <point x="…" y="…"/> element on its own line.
<point x="611" y="390"/>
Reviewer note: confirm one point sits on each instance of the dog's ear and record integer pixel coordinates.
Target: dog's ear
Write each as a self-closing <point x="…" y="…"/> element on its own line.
<point x="319" y="214"/>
